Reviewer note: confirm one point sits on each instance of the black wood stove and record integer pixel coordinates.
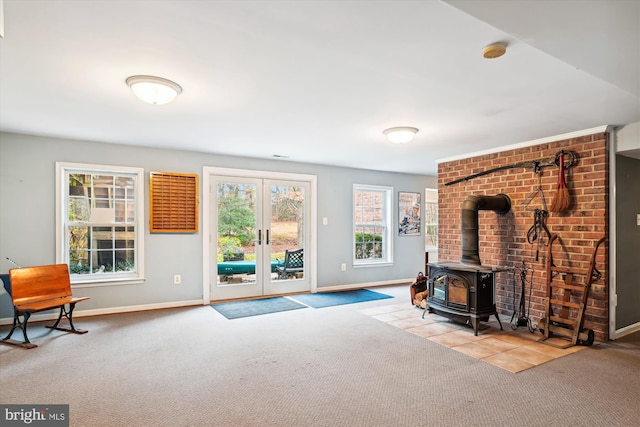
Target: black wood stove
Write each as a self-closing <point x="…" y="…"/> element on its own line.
<point x="465" y="291"/>
<point x="462" y="292"/>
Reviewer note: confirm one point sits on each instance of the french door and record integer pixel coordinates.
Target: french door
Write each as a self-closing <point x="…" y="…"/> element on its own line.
<point x="254" y="221"/>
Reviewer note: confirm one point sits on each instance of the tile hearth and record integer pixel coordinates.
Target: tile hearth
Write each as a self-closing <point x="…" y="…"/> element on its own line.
<point x="513" y="350"/>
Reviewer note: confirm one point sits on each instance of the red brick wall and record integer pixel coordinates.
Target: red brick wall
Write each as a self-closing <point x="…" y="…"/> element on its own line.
<point x="503" y="239"/>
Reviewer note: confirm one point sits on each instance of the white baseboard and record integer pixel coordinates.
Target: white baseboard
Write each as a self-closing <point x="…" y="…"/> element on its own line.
<point x="627" y="330"/>
<point x="53" y="314"/>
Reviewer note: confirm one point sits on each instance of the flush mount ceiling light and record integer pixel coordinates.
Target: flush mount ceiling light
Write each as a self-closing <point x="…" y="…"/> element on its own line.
<point x="154" y="90"/>
<point x="401" y="134"/>
<point x="495" y="50"/>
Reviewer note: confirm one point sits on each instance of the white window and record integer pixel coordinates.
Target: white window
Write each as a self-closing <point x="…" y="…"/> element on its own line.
<point x="99" y="215"/>
<point x="431" y="223"/>
<point x="372" y="225"/>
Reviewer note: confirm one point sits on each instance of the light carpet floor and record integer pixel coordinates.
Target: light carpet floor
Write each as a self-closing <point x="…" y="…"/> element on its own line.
<point x="334" y="367"/>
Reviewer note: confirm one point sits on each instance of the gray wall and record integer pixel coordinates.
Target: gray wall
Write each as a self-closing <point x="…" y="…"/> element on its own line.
<point x="27" y="217"/>
<point x="627" y="241"/>
<point x="628" y="137"/>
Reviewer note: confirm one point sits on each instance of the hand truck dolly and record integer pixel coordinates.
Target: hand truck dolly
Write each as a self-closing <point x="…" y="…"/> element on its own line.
<point x="566" y="300"/>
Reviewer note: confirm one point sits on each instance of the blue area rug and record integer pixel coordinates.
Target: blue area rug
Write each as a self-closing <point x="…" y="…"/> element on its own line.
<point x="329" y="299"/>
<point x="256" y="307"/>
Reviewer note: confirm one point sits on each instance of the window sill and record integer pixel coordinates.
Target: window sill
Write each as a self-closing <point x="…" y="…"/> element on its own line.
<point x="96" y="282"/>
<point x="374" y="264"/>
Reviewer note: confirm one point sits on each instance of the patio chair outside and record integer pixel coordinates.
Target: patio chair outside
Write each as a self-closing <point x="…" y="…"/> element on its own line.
<point x="293" y="263"/>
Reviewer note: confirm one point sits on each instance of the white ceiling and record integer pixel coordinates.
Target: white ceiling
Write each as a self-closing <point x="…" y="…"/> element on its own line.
<point x="318" y="81"/>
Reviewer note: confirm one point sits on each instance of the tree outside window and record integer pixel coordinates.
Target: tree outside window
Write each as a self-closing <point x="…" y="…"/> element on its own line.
<point x="99" y="221"/>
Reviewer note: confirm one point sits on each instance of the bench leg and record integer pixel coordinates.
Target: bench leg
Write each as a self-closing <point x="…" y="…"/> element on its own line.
<point x="69" y="315"/>
<point x="22" y="325"/>
<point x="16" y="324"/>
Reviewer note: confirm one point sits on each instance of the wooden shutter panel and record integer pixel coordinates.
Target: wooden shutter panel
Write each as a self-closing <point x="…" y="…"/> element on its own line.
<point x="174" y="202"/>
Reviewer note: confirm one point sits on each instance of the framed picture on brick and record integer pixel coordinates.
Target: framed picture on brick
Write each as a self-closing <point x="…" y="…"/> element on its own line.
<point x="408" y="214"/>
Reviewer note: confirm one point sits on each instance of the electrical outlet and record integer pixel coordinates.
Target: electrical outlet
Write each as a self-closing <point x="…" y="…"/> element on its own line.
<point x="343" y="267"/>
<point x="177" y="279"/>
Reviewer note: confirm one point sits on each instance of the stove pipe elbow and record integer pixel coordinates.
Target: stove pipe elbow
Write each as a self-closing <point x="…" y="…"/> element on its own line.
<point x="500" y="204"/>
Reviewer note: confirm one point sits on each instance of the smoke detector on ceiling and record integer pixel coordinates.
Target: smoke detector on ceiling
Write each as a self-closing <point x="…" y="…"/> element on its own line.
<point x="495" y="50"/>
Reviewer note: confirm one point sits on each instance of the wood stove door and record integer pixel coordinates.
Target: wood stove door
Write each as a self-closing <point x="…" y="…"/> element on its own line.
<point x="450" y="290"/>
<point x="458" y="293"/>
<point x="439" y="289"/>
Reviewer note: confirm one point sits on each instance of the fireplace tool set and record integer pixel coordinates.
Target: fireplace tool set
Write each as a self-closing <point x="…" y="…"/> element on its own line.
<point x="523" y="318"/>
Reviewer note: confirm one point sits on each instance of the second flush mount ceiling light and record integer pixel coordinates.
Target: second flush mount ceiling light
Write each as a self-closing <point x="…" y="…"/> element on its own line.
<point x="154" y="90"/>
<point x="400" y="134"/>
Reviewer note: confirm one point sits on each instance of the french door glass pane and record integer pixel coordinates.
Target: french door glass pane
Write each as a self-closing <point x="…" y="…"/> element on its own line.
<point x="287" y="229"/>
<point x="237" y="222"/>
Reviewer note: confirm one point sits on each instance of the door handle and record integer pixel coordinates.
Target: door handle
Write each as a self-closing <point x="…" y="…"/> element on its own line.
<point x="268" y="241"/>
<point x="259" y="237"/>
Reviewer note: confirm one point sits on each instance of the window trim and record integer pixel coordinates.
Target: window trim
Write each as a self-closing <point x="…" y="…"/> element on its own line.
<point x="62" y="169"/>
<point x="426" y="224"/>
<point x="388" y="218"/>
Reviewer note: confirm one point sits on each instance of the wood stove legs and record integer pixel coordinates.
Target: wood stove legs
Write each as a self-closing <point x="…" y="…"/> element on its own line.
<point x="499" y="322"/>
<point x="475" y="322"/>
<point x="465" y="318"/>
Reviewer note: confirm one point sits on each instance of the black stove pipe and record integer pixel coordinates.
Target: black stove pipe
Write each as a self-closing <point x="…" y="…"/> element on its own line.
<point x="500" y="204"/>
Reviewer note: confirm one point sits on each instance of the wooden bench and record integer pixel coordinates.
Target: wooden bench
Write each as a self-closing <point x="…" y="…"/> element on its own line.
<point x="40" y="288"/>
